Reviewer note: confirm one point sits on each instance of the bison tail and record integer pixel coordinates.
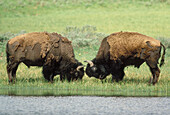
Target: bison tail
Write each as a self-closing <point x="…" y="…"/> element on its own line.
<point x="163" y="55"/>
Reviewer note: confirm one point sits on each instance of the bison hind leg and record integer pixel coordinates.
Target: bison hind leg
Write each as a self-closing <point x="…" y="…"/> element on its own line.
<point x="11" y="70"/>
<point x="14" y="71"/>
<point x="152" y="62"/>
<point x="155" y="72"/>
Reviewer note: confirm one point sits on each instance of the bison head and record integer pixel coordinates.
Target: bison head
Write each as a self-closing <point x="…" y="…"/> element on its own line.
<point x="75" y="72"/>
<point x="96" y="70"/>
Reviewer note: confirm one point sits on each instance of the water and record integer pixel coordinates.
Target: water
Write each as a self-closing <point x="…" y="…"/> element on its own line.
<point x="84" y="105"/>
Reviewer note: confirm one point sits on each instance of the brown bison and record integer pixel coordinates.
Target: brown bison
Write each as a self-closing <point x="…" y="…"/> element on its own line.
<point x="48" y="50"/>
<point x="122" y="49"/>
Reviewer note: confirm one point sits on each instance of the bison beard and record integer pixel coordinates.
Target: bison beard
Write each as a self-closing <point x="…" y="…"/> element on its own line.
<point x="48" y="50"/>
<point x="122" y="49"/>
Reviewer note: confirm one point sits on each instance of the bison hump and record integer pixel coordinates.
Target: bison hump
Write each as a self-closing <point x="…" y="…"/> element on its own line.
<point x="63" y="39"/>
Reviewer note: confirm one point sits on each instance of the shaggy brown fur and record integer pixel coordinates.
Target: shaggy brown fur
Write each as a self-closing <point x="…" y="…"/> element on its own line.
<point x="126" y="44"/>
<point x="40" y="49"/>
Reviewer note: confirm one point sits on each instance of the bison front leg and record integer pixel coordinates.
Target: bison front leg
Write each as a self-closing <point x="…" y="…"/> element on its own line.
<point x="48" y="73"/>
<point x="65" y="77"/>
<point x="62" y="78"/>
<point x="69" y="78"/>
<point x="118" y="75"/>
<point x="116" y="78"/>
<point x="51" y="78"/>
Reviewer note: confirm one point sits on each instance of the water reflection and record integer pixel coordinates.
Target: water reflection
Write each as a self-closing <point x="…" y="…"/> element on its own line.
<point x="72" y="92"/>
<point x="83" y="105"/>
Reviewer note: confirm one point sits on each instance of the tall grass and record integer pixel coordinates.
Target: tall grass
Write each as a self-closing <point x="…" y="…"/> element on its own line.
<point x="85" y="36"/>
<point x="135" y="83"/>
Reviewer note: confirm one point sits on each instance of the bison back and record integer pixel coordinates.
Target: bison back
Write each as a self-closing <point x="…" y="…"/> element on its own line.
<point x="30" y="48"/>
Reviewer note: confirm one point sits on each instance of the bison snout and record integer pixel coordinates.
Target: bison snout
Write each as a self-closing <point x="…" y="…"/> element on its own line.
<point x="101" y="77"/>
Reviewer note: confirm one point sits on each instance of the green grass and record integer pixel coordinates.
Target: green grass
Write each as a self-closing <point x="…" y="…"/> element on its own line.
<point x="143" y="16"/>
<point x="152" y="20"/>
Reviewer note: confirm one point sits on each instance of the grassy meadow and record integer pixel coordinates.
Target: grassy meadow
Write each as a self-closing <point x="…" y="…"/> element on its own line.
<point x="85" y="23"/>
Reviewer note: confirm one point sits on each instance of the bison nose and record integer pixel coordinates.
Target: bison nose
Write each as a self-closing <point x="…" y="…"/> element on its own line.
<point x="101" y="77"/>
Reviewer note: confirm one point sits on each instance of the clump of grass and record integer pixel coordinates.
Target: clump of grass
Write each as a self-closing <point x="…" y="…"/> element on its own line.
<point x="84" y="36"/>
<point x="165" y="41"/>
<point x="4" y="38"/>
<point x="9" y="35"/>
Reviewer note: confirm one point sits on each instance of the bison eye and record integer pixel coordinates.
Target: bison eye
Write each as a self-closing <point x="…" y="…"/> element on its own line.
<point x="76" y="74"/>
<point x="94" y="69"/>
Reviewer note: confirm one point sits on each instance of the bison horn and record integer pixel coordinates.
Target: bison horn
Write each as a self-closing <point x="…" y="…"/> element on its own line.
<point x="79" y="67"/>
<point x="89" y="62"/>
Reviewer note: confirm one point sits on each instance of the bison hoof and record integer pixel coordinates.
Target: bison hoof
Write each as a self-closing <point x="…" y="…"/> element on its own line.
<point x="50" y="82"/>
<point x="11" y="81"/>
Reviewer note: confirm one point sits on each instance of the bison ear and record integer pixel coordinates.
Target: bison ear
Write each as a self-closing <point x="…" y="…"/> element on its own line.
<point x="90" y="62"/>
